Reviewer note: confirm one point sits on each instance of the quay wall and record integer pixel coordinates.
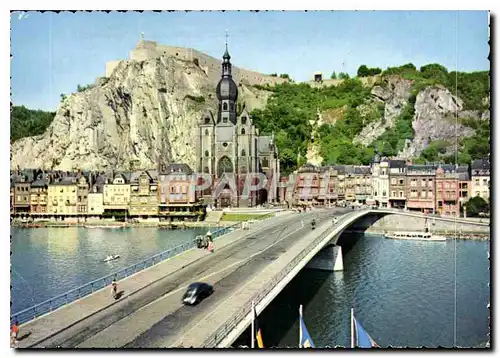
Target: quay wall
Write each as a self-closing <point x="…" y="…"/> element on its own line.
<point x="397" y="222"/>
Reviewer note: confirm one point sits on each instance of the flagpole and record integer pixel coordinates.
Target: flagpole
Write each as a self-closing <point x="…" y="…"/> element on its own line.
<point x="352" y="328"/>
<point x="252" y="345"/>
<point x="300" y="327"/>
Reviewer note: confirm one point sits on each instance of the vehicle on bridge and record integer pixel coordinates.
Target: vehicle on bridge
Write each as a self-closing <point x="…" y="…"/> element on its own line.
<point x="196" y="292"/>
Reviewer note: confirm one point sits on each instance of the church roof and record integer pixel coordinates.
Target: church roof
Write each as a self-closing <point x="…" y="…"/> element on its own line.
<point x="227" y="89"/>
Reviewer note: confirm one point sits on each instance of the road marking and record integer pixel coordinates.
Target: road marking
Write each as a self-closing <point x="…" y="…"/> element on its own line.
<point x="179" y="341"/>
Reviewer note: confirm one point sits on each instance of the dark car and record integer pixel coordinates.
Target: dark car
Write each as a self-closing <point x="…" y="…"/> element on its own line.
<point x="196" y="292"/>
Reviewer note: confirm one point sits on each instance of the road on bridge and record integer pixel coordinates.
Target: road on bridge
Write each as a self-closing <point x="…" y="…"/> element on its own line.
<point x="155" y="316"/>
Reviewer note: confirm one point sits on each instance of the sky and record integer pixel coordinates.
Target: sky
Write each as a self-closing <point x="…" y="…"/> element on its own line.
<point x="53" y="53"/>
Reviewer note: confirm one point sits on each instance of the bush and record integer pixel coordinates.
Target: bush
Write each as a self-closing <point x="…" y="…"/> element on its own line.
<point x="476" y="205"/>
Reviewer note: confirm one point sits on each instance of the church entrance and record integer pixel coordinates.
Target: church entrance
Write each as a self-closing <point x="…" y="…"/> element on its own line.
<point x="262" y="196"/>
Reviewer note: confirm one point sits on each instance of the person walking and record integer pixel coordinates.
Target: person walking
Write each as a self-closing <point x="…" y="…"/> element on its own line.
<point x="114" y="287"/>
<point x="14" y="332"/>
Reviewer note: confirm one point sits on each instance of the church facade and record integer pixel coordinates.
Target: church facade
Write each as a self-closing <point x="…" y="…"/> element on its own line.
<point x="229" y="147"/>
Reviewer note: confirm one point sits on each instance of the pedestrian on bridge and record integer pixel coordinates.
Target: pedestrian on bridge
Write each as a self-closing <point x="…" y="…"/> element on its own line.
<point x="14" y="332"/>
<point x="114" y="288"/>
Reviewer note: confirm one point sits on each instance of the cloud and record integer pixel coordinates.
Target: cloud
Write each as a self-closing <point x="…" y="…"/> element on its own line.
<point x="23" y="15"/>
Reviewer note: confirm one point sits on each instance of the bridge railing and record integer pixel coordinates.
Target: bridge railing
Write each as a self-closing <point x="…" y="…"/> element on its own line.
<point x="218" y="336"/>
<point x="52" y="304"/>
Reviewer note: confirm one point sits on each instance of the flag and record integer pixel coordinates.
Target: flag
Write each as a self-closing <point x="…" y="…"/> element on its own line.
<point x="305" y="340"/>
<point x="360" y="338"/>
<point x="257" y="333"/>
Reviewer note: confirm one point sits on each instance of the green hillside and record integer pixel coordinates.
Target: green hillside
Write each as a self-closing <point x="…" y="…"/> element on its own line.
<point x="26" y="122"/>
<point x="292" y="106"/>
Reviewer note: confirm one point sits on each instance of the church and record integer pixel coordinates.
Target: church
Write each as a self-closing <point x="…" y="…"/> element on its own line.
<point x="229" y="145"/>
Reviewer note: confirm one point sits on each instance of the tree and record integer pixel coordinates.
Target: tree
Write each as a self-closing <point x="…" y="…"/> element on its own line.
<point x="63" y="97"/>
<point x="343" y="75"/>
<point x="476" y="205"/>
<point x="285" y="75"/>
<point x="333" y="76"/>
<point x="363" y="71"/>
<point x="435" y="71"/>
<point x="26" y="122"/>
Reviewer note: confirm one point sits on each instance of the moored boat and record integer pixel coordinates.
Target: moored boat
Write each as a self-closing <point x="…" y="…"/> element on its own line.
<point x="414" y="235"/>
<point x="111" y="258"/>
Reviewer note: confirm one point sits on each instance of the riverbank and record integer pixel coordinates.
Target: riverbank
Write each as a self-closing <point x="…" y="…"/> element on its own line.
<point x="119" y="225"/>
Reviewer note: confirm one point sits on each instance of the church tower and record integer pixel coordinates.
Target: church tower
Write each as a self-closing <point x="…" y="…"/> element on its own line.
<point x="227" y="93"/>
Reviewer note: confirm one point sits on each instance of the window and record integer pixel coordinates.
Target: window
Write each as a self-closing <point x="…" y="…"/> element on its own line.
<point x="447" y="185"/>
<point x="206" y="132"/>
<point x="423" y="194"/>
<point x="393" y="194"/>
<point x="430" y="194"/>
<point x="401" y="182"/>
<point x="423" y="182"/>
<point x="231" y="106"/>
<point x="244" y="120"/>
<point x="393" y="181"/>
<point x="477" y="193"/>
<point x="243" y="153"/>
<point x="413" y="193"/>
<point x="485" y="182"/>
<point x="207" y="154"/>
<point x="225" y="144"/>
<point x="243" y="131"/>
<point x="207" y="120"/>
<point x="476" y="182"/>
<point x="224" y="119"/>
<point x="413" y="182"/>
<point x="224" y="106"/>
<point x="401" y="194"/>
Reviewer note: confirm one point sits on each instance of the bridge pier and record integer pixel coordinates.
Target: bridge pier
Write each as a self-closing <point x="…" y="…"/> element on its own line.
<point x="328" y="259"/>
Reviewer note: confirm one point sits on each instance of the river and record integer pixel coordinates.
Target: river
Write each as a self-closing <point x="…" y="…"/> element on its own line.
<point x="46" y="262"/>
<point x="402" y="292"/>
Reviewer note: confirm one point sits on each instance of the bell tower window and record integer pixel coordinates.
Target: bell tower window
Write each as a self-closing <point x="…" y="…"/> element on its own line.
<point x="206" y="132"/>
<point x="207" y="154"/>
<point x="224" y="106"/>
<point x="243" y="153"/>
<point x="242" y="131"/>
<point x="244" y="120"/>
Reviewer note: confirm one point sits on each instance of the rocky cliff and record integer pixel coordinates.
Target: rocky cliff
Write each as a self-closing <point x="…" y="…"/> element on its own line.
<point x="434" y="118"/>
<point x="145" y="112"/>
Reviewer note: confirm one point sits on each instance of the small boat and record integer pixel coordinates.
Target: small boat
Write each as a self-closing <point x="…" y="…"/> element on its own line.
<point x="414" y="235"/>
<point x="111" y="258"/>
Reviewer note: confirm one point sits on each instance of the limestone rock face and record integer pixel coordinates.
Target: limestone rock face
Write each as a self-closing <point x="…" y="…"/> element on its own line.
<point x="145" y="112"/>
<point x="395" y="96"/>
<point x="435" y="119"/>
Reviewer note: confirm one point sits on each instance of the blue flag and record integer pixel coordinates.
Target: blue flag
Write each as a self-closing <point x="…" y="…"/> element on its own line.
<point x="361" y="338"/>
<point x="305" y="339"/>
